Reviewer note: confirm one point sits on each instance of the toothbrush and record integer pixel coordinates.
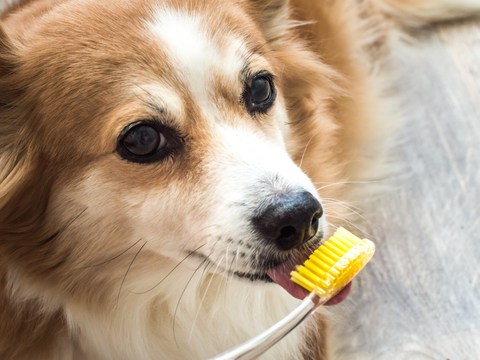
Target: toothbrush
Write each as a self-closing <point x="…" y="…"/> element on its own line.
<point x="328" y="270"/>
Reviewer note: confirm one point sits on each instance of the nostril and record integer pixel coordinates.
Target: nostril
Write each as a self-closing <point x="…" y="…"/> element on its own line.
<point x="289" y="220"/>
<point x="287" y="231"/>
<point x="314" y="225"/>
<point x="317" y="216"/>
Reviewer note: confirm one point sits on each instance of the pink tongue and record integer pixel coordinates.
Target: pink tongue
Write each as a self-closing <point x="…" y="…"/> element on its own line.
<point x="281" y="276"/>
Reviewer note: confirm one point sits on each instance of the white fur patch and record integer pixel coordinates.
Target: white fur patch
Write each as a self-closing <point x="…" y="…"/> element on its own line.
<point x="196" y="53"/>
<point x="4" y="4"/>
<point x="461" y="4"/>
<point x="257" y="159"/>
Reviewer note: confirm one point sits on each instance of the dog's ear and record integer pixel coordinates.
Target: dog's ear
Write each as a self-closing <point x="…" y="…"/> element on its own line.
<point x="9" y="91"/>
<point x="7" y="57"/>
<point x="272" y="17"/>
<point x="8" y="63"/>
<point x="14" y="165"/>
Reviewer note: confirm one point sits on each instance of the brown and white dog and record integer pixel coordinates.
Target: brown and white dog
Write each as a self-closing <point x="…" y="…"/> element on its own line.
<point x="160" y="163"/>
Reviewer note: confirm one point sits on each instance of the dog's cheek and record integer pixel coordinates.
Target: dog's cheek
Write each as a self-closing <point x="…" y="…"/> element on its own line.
<point x="91" y="218"/>
<point x="169" y="219"/>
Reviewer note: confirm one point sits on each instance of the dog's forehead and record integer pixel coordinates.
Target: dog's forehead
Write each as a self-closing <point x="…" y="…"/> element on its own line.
<point x="201" y="53"/>
<point x="195" y="45"/>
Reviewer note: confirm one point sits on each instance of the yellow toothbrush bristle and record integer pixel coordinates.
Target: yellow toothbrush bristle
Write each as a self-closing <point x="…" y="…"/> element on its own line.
<point x="334" y="264"/>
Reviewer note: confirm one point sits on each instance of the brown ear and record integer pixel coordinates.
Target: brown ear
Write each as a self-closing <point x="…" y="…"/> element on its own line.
<point x="18" y="191"/>
<point x="11" y="114"/>
<point x="9" y="89"/>
<point x="8" y="62"/>
<point x="7" y="57"/>
<point x="272" y="16"/>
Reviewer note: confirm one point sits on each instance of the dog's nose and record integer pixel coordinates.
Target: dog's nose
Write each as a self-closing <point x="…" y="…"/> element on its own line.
<point x="289" y="219"/>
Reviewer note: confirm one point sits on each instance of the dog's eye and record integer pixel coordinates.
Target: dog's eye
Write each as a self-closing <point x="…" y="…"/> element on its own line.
<point x="259" y="93"/>
<point x="145" y="142"/>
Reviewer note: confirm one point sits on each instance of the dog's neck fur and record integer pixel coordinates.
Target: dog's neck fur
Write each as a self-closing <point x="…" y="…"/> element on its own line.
<point x="230" y="312"/>
<point x="158" y="323"/>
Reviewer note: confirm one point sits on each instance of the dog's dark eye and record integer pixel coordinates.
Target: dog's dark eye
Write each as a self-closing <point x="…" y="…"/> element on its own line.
<point x="261" y="90"/>
<point x="148" y="141"/>
<point x="259" y="93"/>
<point x="143" y="140"/>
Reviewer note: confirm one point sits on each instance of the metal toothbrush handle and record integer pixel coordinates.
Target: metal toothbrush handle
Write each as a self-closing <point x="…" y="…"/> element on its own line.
<point x="255" y="347"/>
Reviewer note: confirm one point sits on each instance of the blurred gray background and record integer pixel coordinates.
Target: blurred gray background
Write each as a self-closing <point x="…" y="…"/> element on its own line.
<point x="420" y="296"/>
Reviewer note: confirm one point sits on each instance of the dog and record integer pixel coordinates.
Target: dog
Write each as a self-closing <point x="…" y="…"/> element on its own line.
<point x="164" y="164"/>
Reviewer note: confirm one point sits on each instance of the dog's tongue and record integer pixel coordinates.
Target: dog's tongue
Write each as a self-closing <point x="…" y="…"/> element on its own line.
<point x="281" y="276"/>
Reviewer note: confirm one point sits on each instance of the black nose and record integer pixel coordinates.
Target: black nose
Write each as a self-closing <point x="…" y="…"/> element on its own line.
<point x="289" y="219"/>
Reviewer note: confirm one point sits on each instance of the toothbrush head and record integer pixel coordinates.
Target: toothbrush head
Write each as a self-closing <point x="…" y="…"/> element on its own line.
<point x="334" y="264"/>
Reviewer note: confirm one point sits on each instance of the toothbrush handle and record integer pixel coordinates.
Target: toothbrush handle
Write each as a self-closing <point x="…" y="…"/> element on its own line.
<point x="255" y="347"/>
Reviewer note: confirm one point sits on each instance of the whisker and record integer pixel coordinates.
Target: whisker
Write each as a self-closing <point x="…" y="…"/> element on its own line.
<point x="129" y="267"/>
<point x="171" y="271"/>
<point x="351" y="224"/>
<point x="207" y="267"/>
<point x="180" y="299"/>
<point x="50" y="240"/>
<point x="201" y="302"/>
<point x="304" y="151"/>
<point x="257" y="49"/>
<point x="208" y="258"/>
<point x="330" y="225"/>
<point x="345" y="203"/>
<point x="205" y="236"/>
<point x="105" y="262"/>
<point x="353" y="209"/>
<point x="345" y="207"/>
<point x="235" y="258"/>
<point x="347" y="183"/>
<point x="228" y="278"/>
<point x="219" y="286"/>
<point x="226" y="256"/>
<point x="150" y="104"/>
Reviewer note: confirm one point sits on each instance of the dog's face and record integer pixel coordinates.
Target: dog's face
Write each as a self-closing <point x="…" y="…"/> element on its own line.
<point x="168" y="131"/>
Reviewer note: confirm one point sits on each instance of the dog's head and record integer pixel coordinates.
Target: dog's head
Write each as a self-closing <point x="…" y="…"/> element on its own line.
<point x="136" y="135"/>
